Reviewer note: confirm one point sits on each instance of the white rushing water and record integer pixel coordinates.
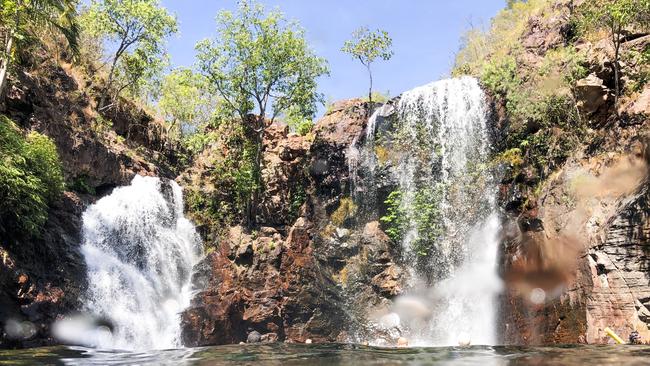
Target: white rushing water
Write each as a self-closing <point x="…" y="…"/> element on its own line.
<point x="140" y="250"/>
<point x="438" y="143"/>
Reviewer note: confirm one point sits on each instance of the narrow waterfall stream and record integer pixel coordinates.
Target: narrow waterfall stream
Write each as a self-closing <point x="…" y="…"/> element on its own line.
<point x="432" y="147"/>
<point x="140" y="250"/>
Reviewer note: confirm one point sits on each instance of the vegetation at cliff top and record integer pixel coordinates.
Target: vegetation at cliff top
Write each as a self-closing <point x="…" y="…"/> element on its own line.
<point x="188" y="104"/>
<point x="545" y="121"/>
<point x="30" y="179"/>
<point x="367" y="46"/>
<point x="22" y="22"/>
<point x="260" y="63"/>
<point x="137" y="31"/>
<point x="260" y="68"/>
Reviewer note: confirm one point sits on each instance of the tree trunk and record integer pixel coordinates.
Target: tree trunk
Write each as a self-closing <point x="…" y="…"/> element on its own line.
<point x="254" y="201"/>
<point x="617" y="91"/>
<point x="107" y="88"/>
<point x="4" y="63"/>
<point x="369" y="111"/>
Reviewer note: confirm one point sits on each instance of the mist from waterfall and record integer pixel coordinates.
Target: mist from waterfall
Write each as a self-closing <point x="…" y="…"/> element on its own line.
<point x="139" y="250"/>
<point x="435" y="140"/>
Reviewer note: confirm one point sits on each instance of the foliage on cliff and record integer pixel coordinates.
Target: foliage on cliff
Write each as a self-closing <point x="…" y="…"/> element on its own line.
<point x="31" y="178"/>
<point x="532" y="59"/>
<point x="260" y="63"/>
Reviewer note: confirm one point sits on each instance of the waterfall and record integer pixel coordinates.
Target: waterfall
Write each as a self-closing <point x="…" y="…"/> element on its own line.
<point x="431" y="147"/>
<point x="139" y="250"/>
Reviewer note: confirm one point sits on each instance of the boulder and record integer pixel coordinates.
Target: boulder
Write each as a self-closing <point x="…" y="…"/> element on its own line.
<point x="389" y="282"/>
<point x="591" y="93"/>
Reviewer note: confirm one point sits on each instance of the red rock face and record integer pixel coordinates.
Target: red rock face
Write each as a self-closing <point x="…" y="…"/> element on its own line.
<point x="270" y="284"/>
<point x="272" y="279"/>
<point x="582" y="235"/>
<point x="585" y="245"/>
<point x="297" y="276"/>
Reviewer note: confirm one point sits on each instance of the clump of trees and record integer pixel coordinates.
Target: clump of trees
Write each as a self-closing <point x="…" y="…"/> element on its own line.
<point x="137" y="31"/>
<point x="186" y="102"/>
<point x="368" y="46"/>
<point x="261" y="67"/>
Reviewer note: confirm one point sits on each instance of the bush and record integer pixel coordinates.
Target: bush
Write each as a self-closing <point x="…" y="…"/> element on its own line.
<point x="424" y="215"/>
<point x="31" y="178"/>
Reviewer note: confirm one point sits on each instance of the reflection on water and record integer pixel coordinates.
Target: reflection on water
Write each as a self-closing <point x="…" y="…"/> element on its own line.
<point x="334" y="354"/>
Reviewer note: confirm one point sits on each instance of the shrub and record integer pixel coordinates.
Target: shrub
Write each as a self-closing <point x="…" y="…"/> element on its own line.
<point x="31" y="178"/>
<point x="424" y="215"/>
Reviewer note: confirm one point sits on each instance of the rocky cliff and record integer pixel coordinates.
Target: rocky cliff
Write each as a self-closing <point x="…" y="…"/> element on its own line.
<point x="574" y="216"/>
<point x="289" y="278"/>
<point x="575" y="229"/>
<point x="42" y="276"/>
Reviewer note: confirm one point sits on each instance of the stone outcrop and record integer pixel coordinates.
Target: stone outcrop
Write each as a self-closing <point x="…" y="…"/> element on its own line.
<point x="284" y="174"/>
<point x="309" y="268"/>
<point x="591" y="94"/>
<point x="267" y="283"/>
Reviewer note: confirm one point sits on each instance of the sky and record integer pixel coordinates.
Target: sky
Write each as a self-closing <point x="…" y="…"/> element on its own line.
<point x="426" y="35"/>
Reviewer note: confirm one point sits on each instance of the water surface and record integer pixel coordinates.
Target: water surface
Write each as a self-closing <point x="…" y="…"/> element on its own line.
<point x="335" y="354"/>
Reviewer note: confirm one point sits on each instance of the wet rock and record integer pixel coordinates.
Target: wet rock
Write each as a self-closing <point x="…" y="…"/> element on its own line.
<point x="344" y="123"/>
<point x="269" y="338"/>
<point x="389" y="282"/>
<point x="254" y="337"/>
<point x="635" y="338"/>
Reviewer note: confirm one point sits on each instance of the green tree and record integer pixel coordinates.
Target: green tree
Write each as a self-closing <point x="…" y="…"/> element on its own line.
<point x="186" y="102"/>
<point x="367" y="46"/>
<point x="20" y="18"/>
<point x="137" y="30"/>
<point x="617" y="16"/>
<point x="261" y="63"/>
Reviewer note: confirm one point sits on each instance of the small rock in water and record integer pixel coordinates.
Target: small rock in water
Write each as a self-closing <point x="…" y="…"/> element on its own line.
<point x="635" y="338"/>
<point x="254" y="337"/>
<point x="307" y="341"/>
<point x="269" y="338"/>
<point x="402" y="342"/>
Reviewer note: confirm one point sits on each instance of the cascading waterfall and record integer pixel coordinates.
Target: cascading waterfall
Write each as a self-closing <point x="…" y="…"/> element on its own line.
<point x="140" y="250"/>
<point x="433" y="145"/>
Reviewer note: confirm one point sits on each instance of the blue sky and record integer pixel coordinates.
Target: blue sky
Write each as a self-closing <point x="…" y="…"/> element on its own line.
<point x="426" y="34"/>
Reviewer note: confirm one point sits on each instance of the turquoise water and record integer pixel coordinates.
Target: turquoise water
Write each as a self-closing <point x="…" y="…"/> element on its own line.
<point x="336" y="354"/>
